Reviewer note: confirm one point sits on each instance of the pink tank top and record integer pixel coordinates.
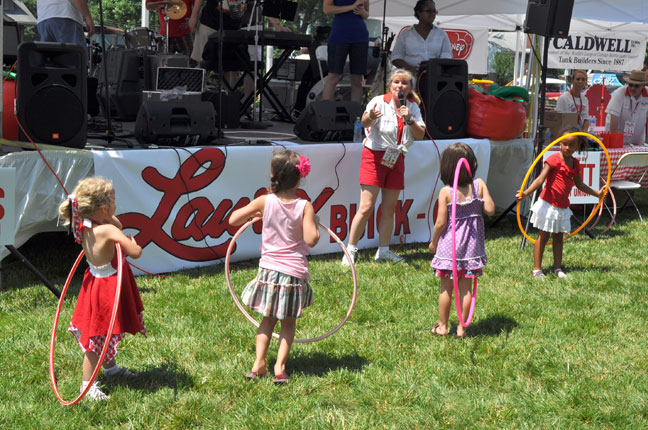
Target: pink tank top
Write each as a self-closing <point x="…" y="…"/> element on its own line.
<point x="282" y="247"/>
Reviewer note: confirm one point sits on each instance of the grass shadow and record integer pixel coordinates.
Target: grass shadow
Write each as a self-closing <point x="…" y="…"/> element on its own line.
<point x="494" y="325"/>
<point x="153" y="378"/>
<point x="319" y="364"/>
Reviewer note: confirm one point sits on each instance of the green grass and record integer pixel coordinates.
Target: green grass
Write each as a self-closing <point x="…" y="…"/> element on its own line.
<point x="547" y="354"/>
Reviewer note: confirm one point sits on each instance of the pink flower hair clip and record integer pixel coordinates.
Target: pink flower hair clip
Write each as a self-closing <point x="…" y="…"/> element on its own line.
<point x="303" y="166"/>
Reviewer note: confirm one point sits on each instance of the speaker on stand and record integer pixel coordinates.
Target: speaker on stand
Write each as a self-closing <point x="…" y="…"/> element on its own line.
<point x="52" y="101"/>
<point x="443" y="85"/>
<point x="548" y="18"/>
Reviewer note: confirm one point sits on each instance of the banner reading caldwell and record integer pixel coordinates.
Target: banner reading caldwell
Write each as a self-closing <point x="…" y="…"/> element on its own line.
<point x="607" y="51"/>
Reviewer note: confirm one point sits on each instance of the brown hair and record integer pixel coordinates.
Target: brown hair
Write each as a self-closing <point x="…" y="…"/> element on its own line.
<point x="577" y="71"/>
<point x="412" y="94"/>
<point x="92" y="194"/>
<point x="284" y="173"/>
<point x="582" y="140"/>
<point x="449" y="159"/>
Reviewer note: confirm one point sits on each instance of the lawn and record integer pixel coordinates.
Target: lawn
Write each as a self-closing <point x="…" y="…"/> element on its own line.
<point x="547" y="354"/>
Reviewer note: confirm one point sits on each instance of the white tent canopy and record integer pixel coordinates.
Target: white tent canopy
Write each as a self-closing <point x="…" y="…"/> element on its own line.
<point x="617" y="16"/>
<point x="627" y="11"/>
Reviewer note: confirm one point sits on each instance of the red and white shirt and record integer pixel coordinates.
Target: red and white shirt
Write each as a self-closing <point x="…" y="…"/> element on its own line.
<point x="390" y="130"/>
<point x="630" y="111"/>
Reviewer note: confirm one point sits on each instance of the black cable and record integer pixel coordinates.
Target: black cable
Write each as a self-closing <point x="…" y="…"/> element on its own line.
<point x="189" y="200"/>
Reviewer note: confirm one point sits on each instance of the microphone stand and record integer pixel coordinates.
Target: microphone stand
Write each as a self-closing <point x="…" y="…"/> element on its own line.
<point x="109" y="133"/>
<point x="256" y="124"/>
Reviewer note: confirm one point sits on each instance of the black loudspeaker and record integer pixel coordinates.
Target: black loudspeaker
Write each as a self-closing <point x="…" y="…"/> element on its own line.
<point x="127" y="79"/>
<point x="328" y="121"/>
<point x="444" y="92"/>
<point x="52" y="102"/>
<point x="231" y="107"/>
<point x="549" y="18"/>
<point x="175" y="123"/>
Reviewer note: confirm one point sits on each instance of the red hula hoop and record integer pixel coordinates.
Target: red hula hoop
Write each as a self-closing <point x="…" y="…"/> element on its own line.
<point x="108" y="336"/>
<point x="253" y="321"/>
<point x="455" y="280"/>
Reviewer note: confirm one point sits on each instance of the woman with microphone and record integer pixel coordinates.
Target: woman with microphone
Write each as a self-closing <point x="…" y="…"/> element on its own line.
<point x="392" y="122"/>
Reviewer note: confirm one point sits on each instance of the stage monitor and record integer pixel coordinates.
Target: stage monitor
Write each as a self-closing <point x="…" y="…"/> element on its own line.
<point x="281" y="9"/>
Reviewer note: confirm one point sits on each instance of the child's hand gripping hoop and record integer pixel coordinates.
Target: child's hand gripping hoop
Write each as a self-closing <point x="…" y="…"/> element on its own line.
<point x="453" y="222"/>
<point x="539" y="157"/>
<point x="108" y="335"/>
<point x="253" y="321"/>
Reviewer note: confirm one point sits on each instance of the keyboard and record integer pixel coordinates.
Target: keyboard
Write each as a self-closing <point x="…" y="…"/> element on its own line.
<point x="279" y="39"/>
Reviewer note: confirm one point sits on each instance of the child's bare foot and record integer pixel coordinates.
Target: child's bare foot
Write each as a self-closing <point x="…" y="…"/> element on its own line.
<point x="439" y="329"/>
<point x="461" y="332"/>
<point x="258" y="370"/>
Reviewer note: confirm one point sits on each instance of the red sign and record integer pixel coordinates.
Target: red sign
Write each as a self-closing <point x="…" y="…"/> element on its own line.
<point x="461" y="42"/>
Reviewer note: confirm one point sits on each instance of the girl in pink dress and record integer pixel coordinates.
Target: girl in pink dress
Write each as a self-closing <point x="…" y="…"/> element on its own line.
<point x="550" y="213"/>
<point x="281" y="289"/>
<point x="472" y="199"/>
<point x="90" y="211"/>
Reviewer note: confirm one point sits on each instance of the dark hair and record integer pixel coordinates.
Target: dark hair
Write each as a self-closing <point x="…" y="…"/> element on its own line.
<point x="419" y="6"/>
<point x="449" y="159"/>
<point x="582" y="140"/>
<point x="284" y="173"/>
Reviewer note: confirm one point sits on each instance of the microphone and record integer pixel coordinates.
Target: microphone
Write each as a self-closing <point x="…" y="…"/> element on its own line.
<point x="401" y="98"/>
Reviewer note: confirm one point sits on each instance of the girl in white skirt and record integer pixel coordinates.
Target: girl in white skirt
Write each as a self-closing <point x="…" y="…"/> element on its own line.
<point x="281" y="289"/>
<point x="551" y="213"/>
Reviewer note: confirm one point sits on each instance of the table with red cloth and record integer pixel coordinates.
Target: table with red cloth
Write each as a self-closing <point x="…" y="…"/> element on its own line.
<point x="624" y="173"/>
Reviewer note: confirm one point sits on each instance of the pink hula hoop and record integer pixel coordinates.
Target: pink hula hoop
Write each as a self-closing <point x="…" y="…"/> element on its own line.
<point x="120" y="268"/>
<point x="453" y="221"/>
<point x="253" y="321"/>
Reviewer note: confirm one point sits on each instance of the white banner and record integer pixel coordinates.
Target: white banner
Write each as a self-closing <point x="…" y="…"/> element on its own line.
<point x="7" y="205"/>
<point x="607" y="51"/>
<point x="176" y="201"/>
<point x="590" y="164"/>
<point x="470" y="44"/>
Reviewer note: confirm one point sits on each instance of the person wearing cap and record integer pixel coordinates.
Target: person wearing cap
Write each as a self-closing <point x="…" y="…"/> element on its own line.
<point x="628" y="108"/>
<point x="573" y="101"/>
<point x="422" y="41"/>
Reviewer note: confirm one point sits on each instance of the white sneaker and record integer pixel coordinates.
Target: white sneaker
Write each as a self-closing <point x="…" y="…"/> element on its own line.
<point x="345" y="260"/>
<point x="120" y="372"/>
<point x="389" y="255"/>
<point x="95" y="393"/>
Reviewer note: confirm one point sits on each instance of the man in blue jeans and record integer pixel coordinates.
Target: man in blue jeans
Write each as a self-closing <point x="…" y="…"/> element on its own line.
<point x="63" y="20"/>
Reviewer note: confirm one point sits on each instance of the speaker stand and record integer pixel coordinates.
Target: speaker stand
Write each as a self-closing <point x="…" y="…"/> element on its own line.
<point x="539" y="137"/>
<point x="34" y="270"/>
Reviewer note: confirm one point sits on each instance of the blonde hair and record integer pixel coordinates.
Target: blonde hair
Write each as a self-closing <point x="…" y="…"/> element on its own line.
<point x="92" y="194"/>
<point x="412" y="94"/>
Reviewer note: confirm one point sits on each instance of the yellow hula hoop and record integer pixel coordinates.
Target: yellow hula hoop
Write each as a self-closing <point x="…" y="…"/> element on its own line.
<point x="539" y="157"/>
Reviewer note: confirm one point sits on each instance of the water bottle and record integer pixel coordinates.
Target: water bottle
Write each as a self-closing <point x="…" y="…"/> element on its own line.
<point x="357" y="131"/>
<point x="547" y="137"/>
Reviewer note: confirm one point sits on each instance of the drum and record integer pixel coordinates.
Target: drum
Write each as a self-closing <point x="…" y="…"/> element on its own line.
<point x="140" y="38"/>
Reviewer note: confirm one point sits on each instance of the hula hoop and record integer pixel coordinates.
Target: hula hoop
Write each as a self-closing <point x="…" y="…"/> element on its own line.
<point x="108" y="336"/>
<point x="614" y="212"/>
<point x="455" y="280"/>
<point x="253" y="321"/>
<point x="539" y="157"/>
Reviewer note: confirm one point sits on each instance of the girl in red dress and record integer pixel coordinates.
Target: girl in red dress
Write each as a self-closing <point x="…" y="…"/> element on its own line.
<point x="550" y="213"/>
<point x="91" y="212"/>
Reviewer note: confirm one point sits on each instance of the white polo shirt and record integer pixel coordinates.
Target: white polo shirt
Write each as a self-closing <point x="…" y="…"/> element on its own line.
<point x="383" y="133"/>
<point x="632" y="114"/>
<point x="413" y="49"/>
<point x="567" y="103"/>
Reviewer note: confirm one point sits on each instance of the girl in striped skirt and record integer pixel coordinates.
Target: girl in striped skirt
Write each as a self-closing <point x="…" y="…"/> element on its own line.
<point x="280" y="290"/>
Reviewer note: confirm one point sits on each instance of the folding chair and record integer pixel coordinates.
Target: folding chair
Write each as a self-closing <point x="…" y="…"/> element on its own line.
<point x="630" y="159"/>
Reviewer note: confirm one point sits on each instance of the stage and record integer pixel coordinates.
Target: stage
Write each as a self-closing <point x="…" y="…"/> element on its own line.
<point x="176" y="200"/>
